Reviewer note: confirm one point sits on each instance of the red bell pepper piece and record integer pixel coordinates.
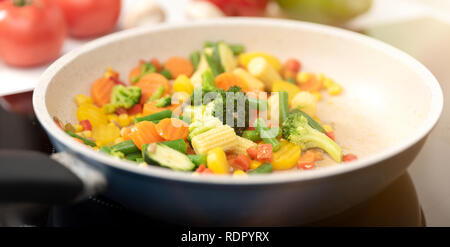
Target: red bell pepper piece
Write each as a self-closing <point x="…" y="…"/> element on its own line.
<point x="264" y="152"/>
<point x="349" y="157"/>
<point x="86" y="124"/>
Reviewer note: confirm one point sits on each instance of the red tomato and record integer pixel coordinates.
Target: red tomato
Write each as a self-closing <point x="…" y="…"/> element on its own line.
<point x="293" y="65"/>
<point x="241" y="7"/>
<point x="349" y="157"/>
<point x="32" y="34"/>
<point x="264" y="152"/>
<point x="90" y="18"/>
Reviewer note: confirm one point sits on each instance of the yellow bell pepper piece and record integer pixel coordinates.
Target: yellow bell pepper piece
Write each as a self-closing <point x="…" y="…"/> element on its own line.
<point x="290" y="88"/>
<point x="286" y="157"/>
<point x="245" y="58"/>
<point x="183" y="84"/>
<point x="106" y="134"/>
<point x="92" y="113"/>
<point x="217" y="161"/>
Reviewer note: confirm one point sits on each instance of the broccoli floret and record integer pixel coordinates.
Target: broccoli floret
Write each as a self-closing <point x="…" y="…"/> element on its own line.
<point x="237" y="116"/>
<point x="297" y="130"/>
<point x="164" y="101"/>
<point x="122" y="96"/>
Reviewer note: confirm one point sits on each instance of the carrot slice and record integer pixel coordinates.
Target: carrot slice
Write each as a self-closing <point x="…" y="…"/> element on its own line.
<point x="150" y="83"/>
<point x="134" y="73"/>
<point x="227" y="80"/>
<point x="143" y="133"/>
<point x="172" y="129"/>
<point x="179" y="66"/>
<point x="150" y="108"/>
<point x="312" y="85"/>
<point x="101" y="91"/>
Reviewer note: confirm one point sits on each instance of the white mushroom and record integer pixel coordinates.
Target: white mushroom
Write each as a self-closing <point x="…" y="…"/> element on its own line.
<point x="143" y="13"/>
<point x="199" y="10"/>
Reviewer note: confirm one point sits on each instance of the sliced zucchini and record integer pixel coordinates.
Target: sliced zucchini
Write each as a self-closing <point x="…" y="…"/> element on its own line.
<point x="167" y="157"/>
<point x="227" y="59"/>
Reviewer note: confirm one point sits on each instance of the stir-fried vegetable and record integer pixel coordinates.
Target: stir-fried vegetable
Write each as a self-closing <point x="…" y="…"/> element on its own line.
<point x="214" y="117"/>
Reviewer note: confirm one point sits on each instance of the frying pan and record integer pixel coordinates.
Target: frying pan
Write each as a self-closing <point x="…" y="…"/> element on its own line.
<point x="389" y="105"/>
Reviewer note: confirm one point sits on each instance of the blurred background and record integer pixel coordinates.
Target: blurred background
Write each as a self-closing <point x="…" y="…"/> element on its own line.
<point x="32" y="37"/>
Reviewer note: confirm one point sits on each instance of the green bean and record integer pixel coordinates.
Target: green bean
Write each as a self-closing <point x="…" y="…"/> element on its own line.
<point x="155" y="116"/>
<point x="252" y="135"/>
<point x="236" y="48"/>
<point x="259" y="104"/>
<point x="159" y="92"/>
<point x="126" y="147"/>
<point x="166" y="74"/>
<point x="215" y="68"/>
<point x="85" y="141"/>
<point x="283" y="105"/>
<point x="197" y="159"/>
<point x="311" y="121"/>
<point x="267" y="134"/>
<point x="105" y="149"/>
<point x="262" y="169"/>
<point x="179" y="145"/>
<point x="134" y="156"/>
<point x="195" y="58"/>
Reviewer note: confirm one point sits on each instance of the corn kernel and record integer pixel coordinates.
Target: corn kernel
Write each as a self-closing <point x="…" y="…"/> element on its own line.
<point x="239" y="173"/>
<point x="99" y="143"/>
<point x="302" y="77"/>
<point x="118" y="140"/>
<point x="124" y="120"/>
<point x="327" y="128"/>
<point x="328" y="82"/>
<point x="123" y="131"/>
<point x="86" y="133"/>
<point x="112" y="117"/>
<point x="255" y="164"/>
<point x="82" y="99"/>
<point x="318" y="95"/>
<point x="334" y="89"/>
<point x="110" y="73"/>
<point x="78" y="127"/>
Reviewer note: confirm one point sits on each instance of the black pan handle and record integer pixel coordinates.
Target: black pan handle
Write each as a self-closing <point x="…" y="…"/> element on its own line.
<point x="32" y="177"/>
